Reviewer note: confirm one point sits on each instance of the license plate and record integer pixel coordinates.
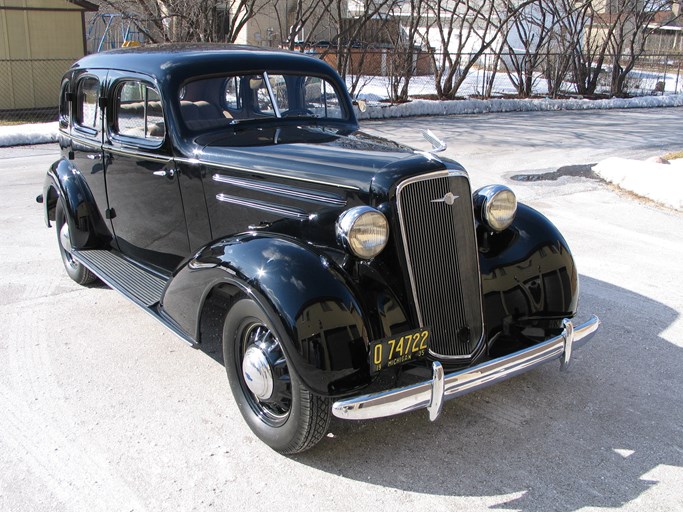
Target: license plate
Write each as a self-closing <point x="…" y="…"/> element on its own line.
<point x="399" y="349"/>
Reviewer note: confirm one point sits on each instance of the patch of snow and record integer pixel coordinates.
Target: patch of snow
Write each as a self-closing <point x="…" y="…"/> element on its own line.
<point x="659" y="182"/>
<point x="20" y="134"/>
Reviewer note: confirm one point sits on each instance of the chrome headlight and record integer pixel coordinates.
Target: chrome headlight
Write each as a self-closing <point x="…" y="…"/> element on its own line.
<point x="363" y="230"/>
<point x="497" y="206"/>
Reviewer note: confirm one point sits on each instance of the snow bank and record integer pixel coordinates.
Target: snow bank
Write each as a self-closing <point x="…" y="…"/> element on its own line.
<point x="660" y="182"/>
<point x="18" y="134"/>
<point x="439" y="108"/>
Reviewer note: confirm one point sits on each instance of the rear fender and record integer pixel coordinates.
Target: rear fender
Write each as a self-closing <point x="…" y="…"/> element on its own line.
<point x="65" y="181"/>
<point x="305" y="295"/>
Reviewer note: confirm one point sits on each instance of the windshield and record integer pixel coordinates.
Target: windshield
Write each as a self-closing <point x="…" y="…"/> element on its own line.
<point x="216" y="102"/>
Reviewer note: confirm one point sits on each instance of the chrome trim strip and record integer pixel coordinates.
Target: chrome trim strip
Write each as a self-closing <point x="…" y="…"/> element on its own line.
<point x="141" y="154"/>
<point x="194" y="264"/>
<point x="428" y="393"/>
<point x="285" y="211"/>
<point x="283" y="190"/>
<point x="401" y="186"/>
<point x="84" y="141"/>
<point x="195" y="161"/>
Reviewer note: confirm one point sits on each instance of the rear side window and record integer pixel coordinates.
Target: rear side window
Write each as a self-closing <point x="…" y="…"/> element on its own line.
<point x="138" y="111"/>
<point x="64" y="105"/>
<point x="87" y="108"/>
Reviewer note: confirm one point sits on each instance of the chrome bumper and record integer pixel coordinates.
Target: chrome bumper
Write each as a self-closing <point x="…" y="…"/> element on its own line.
<point x="432" y="393"/>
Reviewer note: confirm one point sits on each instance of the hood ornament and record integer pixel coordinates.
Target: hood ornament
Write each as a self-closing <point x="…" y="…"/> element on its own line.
<point x="449" y="199"/>
<point x="437" y="144"/>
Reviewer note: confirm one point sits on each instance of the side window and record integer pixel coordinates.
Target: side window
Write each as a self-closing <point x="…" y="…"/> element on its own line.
<point x="233" y="100"/>
<point x="64" y="104"/>
<point x="279" y="87"/>
<point x="321" y="98"/>
<point x="87" y="108"/>
<point x="138" y="111"/>
<point x="263" y="104"/>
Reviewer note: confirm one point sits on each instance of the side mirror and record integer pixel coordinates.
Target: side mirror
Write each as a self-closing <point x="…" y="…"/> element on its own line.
<point x="361" y="104"/>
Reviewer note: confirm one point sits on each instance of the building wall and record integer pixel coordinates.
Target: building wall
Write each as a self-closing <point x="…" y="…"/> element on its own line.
<point x="39" y="39"/>
<point x="271" y="26"/>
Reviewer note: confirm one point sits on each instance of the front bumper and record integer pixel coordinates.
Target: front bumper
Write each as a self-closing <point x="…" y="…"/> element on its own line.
<point x="432" y="393"/>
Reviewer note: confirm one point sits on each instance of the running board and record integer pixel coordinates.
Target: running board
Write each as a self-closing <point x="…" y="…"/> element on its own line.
<point x="137" y="284"/>
<point x="142" y="287"/>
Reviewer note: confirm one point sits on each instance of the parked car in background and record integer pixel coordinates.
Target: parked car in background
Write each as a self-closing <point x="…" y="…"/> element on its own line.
<point x="228" y="191"/>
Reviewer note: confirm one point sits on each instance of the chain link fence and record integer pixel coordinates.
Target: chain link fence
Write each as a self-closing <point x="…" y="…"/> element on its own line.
<point x="372" y="74"/>
<point x="29" y="89"/>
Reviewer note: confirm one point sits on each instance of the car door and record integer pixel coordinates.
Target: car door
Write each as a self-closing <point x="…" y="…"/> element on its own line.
<point x="84" y="135"/>
<point x="145" y="202"/>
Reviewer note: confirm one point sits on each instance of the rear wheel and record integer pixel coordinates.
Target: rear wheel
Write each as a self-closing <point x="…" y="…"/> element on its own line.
<point x="270" y="396"/>
<point x="76" y="270"/>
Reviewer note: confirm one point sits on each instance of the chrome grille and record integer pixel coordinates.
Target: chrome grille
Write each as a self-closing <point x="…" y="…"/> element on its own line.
<point x="437" y="227"/>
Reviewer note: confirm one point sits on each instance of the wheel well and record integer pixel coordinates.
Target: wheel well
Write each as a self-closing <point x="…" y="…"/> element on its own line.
<point x="216" y="306"/>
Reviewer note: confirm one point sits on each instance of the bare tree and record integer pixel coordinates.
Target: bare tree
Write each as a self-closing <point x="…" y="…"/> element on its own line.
<point x="405" y="47"/>
<point x="589" y="41"/>
<point x="466" y="30"/>
<point x="357" y="36"/>
<point x="301" y="19"/>
<point x="564" y="40"/>
<point x="526" y="45"/>
<point x="632" y="24"/>
<point x="187" y="20"/>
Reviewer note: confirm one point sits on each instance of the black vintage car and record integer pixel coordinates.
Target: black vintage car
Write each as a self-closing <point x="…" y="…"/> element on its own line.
<point x="228" y="192"/>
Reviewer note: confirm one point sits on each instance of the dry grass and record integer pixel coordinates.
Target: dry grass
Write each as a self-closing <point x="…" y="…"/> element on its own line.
<point x="37" y="115"/>
<point x="674" y="155"/>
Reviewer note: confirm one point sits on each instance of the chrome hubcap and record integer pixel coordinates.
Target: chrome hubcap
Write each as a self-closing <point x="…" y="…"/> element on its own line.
<point x="257" y="373"/>
<point x="265" y="376"/>
<point x="65" y="243"/>
<point x="64" y="237"/>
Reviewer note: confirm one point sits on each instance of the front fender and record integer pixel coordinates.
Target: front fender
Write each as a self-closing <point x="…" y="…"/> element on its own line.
<point x="65" y="181"/>
<point x="529" y="279"/>
<point x="306" y="296"/>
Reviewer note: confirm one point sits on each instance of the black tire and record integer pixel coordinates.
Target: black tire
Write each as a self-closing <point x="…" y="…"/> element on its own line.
<point x="292" y="419"/>
<point x="76" y="271"/>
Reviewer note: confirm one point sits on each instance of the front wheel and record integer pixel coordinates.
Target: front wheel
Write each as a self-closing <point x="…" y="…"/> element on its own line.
<point x="270" y="396"/>
<point x="76" y="270"/>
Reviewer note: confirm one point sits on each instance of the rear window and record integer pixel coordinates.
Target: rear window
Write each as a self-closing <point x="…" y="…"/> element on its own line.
<point x="220" y="101"/>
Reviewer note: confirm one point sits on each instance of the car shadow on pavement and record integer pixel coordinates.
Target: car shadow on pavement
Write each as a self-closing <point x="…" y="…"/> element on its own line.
<point x="545" y="440"/>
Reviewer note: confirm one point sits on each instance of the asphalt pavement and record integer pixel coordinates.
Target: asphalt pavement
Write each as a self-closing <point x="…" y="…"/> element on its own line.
<point x="103" y="409"/>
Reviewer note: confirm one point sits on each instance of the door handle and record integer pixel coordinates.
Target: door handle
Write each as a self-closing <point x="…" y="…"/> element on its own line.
<point x="165" y="173"/>
<point x="93" y="156"/>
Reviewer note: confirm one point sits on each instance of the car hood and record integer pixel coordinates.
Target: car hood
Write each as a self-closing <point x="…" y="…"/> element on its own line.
<point x="325" y="155"/>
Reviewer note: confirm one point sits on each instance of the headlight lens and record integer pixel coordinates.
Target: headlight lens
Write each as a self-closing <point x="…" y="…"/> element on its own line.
<point x="498" y="206"/>
<point x="363" y="230"/>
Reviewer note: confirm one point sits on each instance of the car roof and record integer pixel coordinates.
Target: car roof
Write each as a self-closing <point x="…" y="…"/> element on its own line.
<point x="190" y="59"/>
